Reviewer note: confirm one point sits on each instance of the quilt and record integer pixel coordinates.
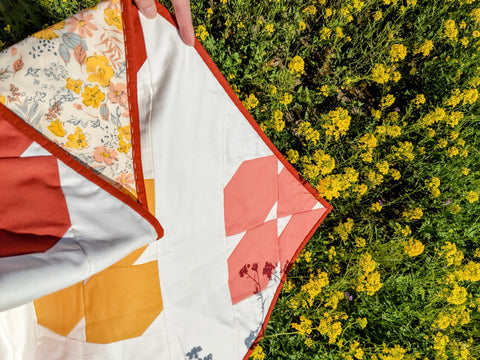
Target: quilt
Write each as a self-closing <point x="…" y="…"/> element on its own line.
<point x="143" y="212"/>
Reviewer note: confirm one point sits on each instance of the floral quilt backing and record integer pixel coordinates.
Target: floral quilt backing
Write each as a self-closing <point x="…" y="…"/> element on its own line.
<point x="69" y="82"/>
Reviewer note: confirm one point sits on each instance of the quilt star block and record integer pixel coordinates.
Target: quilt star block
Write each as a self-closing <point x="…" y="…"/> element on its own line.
<point x="118" y="135"/>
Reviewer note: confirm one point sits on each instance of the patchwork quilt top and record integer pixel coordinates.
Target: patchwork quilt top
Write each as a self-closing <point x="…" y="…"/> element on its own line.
<point x="144" y="213"/>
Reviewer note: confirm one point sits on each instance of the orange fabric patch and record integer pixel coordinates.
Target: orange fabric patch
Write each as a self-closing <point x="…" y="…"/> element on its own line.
<point x="150" y="192"/>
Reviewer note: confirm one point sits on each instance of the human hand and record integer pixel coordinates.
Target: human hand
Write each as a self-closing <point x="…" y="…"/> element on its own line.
<point x="182" y="13"/>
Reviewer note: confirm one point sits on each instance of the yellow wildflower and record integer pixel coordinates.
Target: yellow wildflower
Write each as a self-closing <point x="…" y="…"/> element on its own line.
<point x="310" y="10"/>
<point x="419" y="100"/>
<point x="286" y="99"/>
<point x="383" y="167"/>
<point x="450" y="31"/>
<point x="113" y="17"/>
<point x="387" y="101"/>
<point x="337" y="122"/>
<point x="56" y="128"/>
<point x="99" y="70"/>
<point x="201" y="32"/>
<point x="376" y="207"/>
<point x="398" y="52"/>
<point x="250" y="102"/>
<point x="470" y="96"/>
<point x="454" y="208"/>
<point x="296" y="66"/>
<point x="360" y="242"/>
<point x="269" y="28"/>
<point x="377" y="15"/>
<point x="343" y="229"/>
<point x="413" y="247"/>
<point x="77" y="140"/>
<point x="325" y="33"/>
<point x="465" y="171"/>
<point x="458" y="295"/>
<point x="425" y="48"/>
<point x="472" y="196"/>
<point x="257" y="353"/>
<point x="93" y="96"/>
<point x="360" y="189"/>
<point x="339" y="32"/>
<point x="362" y="322"/>
<point x="475" y="14"/>
<point x="328" y="12"/>
<point x="292" y="156"/>
<point x="413" y="214"/>
<point x="452" y="255"/>
<point x="395" y="174"/>
<point x="305" y="326"/>
<point x="380" y="74"/>
<point x="302" y="26"/>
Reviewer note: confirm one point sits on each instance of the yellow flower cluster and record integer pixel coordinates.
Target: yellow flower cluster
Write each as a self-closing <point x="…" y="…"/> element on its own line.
<point x="269" y="28"/>
<point x="413" y="214"/>
<point x="343" y="229"/>
<point x="458" y="315"/>
<point x="419" y="100"/>
<point x="286" y="99"/>
<point x="395" y="353"/>
<point x="472" y="196"/>
<point x="325" y="33"/>
<point x="124" y="138"/>
<point x="367" y="142"/>
<point x="369" y="280"/>
<point x="475" y="14"/>
<point x="433" y="185"/>
<point x="458" y="295"/>
<point x="424" y="48"/>
<point x="330" y="327"/>
<point x="450" y="31"/>
<point x="387" y="101"/>
<point x="440" y="342"/>
<point x="452" y="255"/>
<point x="413" y="247"/>
<point x="333" y="299"/>
<point x="337" y="122"/>
<point x="315" y="286"/>
<point x="331" y="186"/>
<point x="308" y="132"/>
<point x="398" y="52"/>
<point x="250" y="102"/>
<point x="469" y="272"/>
<point x="257" y="353"/>
<point x="277" y="121"/>
<point x="292" y="156"/>
<point x="404" y="150"/>
<point x="297" y="66"/>
<point x="382" y="74"/>
<point x="466" y="97"/>
<point x="305" y="326"/>
<point x="310" y="10"/>
<point x="201" y="32"/>
<point x="375" y="207"/>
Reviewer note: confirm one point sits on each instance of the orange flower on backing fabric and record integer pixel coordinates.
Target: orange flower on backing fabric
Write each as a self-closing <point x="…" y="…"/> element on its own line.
<point x="126" y="180"/>
<point x="82" y="22"/>
<point x="99" y="70"/>
<point x="118" y="94"/>
<point x="105" y="155"/>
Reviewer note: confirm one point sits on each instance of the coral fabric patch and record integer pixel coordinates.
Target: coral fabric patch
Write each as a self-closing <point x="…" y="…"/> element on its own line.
<point x="35" y="216"/>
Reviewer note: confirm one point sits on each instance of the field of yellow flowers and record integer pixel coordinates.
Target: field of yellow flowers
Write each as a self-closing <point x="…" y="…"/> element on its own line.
<point x="376" y="104"/>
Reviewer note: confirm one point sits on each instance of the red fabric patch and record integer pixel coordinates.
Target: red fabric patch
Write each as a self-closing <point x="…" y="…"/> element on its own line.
<point x="13" y="142"/>
<point x="34" y="215"/>
<point x="293" y="197"/>
<point x="250" y="194"/>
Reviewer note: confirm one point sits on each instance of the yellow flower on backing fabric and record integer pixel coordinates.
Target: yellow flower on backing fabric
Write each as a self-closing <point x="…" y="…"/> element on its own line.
<point x="113" y="17"/>
<point x="201" y="32"/>
<point x="124" y="132"/>
<point x="93" y="96"/>
<point x="56" y="128"/>
<point x="49" y="33"/>
<point x="74" y="85"/>
<point x="77" y="140"/>
<point x="413" y="247"/>
<point x="297" y="66"/>
<point x="398" y="52"/>
<point x="2" y="99"/>
<point x="99" y="70"/>
<point x="124" y="146"/>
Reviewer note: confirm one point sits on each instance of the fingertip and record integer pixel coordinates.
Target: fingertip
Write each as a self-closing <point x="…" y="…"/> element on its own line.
<point x="150" y="12"/>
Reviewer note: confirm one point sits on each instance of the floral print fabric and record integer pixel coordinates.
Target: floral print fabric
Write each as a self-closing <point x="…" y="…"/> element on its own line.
<point x="69" y="82"/>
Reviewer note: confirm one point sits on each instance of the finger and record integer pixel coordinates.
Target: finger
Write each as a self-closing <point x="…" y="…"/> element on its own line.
<point x="147" y="7"/>
<point x="184" y="20"/>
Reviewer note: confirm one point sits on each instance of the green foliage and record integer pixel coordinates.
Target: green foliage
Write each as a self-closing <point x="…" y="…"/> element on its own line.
<point x="376" y="103"/>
